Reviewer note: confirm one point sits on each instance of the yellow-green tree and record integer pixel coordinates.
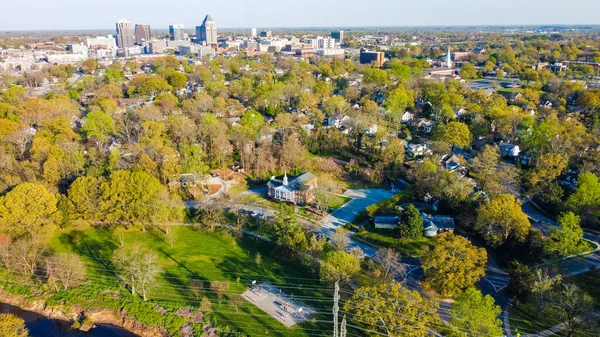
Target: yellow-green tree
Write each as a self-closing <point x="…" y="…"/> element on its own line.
<point x="12" y="326"/>
<point x="453" y="265"/>
<point x="475" y="315"/>
<point x="27" y="209"/>
<point x="339" y="265"/>
<point x="392" y="310"/>
<point x="502" y="218"/>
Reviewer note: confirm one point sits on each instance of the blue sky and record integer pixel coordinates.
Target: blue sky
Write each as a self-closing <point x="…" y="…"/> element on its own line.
<point x="102" y="14"/>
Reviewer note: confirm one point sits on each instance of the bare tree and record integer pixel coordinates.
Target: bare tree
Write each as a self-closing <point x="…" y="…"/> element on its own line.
<point x="205" y="304"/>
<point x="219" y="287"/>
<point x="236" y="300"/>
<point x="138" y="267"/>
<point x="340" y="238"/>
<point x="21" y="140"/>
<point x="65" y="270"/>
<point x="389" y="261"/>
<point x="196" y="288"/>
<point x="27" y="255"/>
<point x="5" y="253"/>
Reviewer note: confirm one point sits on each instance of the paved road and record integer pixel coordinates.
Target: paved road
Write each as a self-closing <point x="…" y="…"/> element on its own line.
<point x="568" y="267"/>
<point x="361" y="199"/>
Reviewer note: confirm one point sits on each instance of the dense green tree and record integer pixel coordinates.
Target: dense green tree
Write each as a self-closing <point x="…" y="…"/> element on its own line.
<point x="474" y="314"/>
<point x="468" y="71"/>
<point x="339" y="266"/>
<point x="455" y="134"/>
<point x="453" y="265"/>
<point x="568" y="239"/>
<point x="501" y="219"/>
<point x="411" y="223"/>
<point x="27" y="209"/>
<point x="193" y="159"/>
<point x="83" y="197"/>
<point x="99" y="126"/>
<point x="586" y="197"/>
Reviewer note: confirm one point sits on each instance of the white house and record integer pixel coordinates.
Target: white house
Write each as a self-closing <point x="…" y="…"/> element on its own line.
<point x="418" y="150"/>
<point x="509" y="150"/>
<point x="407" y="116"/>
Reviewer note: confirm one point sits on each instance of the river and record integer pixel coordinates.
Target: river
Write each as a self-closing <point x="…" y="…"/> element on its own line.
<point x="41" y="326"/>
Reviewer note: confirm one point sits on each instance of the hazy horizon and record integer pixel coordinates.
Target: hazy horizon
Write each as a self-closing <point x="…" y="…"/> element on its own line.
<point x="237" y="14"/>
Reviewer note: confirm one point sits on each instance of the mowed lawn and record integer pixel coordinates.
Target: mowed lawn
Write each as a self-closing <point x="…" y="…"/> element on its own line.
<point x="195" y="255"/>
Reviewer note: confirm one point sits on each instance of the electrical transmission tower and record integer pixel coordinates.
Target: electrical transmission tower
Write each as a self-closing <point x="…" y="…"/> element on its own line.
<point x="343" y="327"/>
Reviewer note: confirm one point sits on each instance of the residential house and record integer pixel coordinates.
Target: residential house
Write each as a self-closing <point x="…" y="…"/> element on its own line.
<point x="407" y="116"/>
<point x="509" y="150"/>
<point x="459" y="113"/>
<point x="386" y="221"/>
<point x="421" y="124"/>
<point x="298" y="190"/>
<point x="417" y="150"/>
<point x="568" y="180"/>
<point x="337" y="121"/>
<point x="372" y="130"/>
<point x="452" y="163"/>
<point x="479" y="50"/>
<point x="437" y="224"/>
<point x="187" y="180"/>
<point x="511" y="96"/>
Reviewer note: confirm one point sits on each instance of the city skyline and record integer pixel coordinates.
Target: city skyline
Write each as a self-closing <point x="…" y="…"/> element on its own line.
<point x="354" y="13"/>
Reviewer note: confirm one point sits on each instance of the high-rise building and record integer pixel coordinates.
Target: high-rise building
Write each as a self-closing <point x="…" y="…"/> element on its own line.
<point x="125" y="38"/>
<point x="338" y="35"/>
<point x="207" y="32"/>
<point x="266" y="34"/>
<point x="253" y="33"/>
<point x="142" y="33"/>
<point x="176" y="32"/>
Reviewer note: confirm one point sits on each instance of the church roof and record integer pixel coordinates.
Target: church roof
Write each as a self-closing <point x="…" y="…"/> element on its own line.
<point x="298" y="183"/>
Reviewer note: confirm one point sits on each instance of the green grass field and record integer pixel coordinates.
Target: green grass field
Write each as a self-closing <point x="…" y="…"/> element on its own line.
<point x="194" y="256"/>
<point x="384" y="238"/>
<point x="337" y="201"/>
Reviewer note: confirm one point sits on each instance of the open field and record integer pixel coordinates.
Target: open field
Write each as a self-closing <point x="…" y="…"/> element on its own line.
<point x="194" y="256"/>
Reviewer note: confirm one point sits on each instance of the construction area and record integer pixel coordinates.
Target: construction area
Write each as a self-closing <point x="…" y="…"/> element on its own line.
<point x="279" y="305"/>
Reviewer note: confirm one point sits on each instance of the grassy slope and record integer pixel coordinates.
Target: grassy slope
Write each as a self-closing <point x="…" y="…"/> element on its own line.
<point x="522" y="316"/>
<point x="206" y="257"/>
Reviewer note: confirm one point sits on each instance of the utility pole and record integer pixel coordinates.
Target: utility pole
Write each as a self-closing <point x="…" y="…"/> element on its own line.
<point x="336" y="309"/>
<point x="343" y="327"/>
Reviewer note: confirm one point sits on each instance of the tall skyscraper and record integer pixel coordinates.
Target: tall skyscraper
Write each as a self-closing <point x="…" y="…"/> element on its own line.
<point x="176" y="32"/>
<point x="207" y="32"/>
<point x="125" y="38"/>
<point x="142" y="33"/>
<point x="254" y="33"/>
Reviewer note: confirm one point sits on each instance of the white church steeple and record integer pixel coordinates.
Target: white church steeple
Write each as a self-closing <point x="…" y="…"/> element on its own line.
<point x="448" y="59"/>
<point x="285" y="179"/>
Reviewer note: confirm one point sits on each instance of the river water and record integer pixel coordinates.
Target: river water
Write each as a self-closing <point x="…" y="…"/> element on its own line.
<point x="41" y="326"/>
